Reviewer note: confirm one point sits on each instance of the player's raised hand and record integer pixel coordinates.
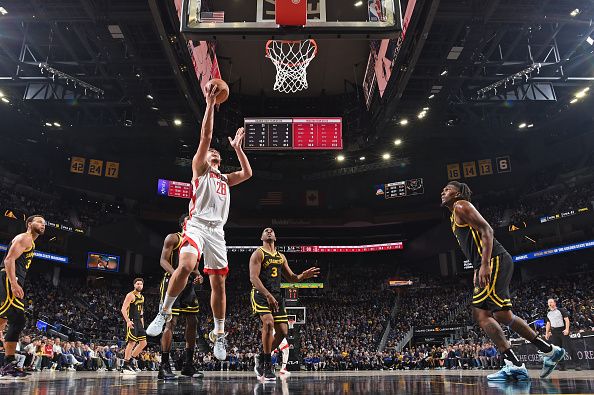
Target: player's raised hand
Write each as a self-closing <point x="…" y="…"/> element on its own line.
<point x="236" y="142"/>
<point x="210" y="93"/>
<point x="199" y="279"/>
<point x="311" y="272"/>
<point x="272" y="303"/>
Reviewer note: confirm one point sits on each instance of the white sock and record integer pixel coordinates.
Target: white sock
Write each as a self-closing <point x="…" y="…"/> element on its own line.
<point x="219" y="324"/>
<point x="168" y="302"/>
<point x="285" y="357"/>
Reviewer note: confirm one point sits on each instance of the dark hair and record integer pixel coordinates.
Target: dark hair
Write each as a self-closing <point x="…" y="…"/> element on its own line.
<point x="463" y="188"/>
<point x="138" y="279"/>
<point x="214" y="150"/>
<point x="182" y="220"/>
<point x="32" y="218"/>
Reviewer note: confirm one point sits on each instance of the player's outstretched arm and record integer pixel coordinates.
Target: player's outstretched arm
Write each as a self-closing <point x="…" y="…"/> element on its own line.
<point x="246" y="170"/>
<point x="294" y="278"/>
<point x="168" y="246"/>
<point x="199" y="164"/>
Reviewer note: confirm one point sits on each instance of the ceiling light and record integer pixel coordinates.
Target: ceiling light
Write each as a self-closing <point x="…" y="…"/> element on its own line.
<point x="150" y="97"/>
<point x="48" y="124"/>
<point x="358" y="4"/>
<point x="522" y="125"/>
<point x="155" y="108"/>
<point x="3" y="11"/>
<point x="362" y="158"/>
<point x="422" y="114"/>
<point x="57" y="124"/>
<point x="586" y="89"/>
<point x="580" y="94"/>
<point x="431" y="96"/>
<point x="444" y="72"/>
<point x="397" y="141"/>
<point x="530" y="125"/>
<point x="1" y="94"/>
<point x="5" y="100"/>
<point x="575" y="12"/>
<point x="590" y="40"/>
<point x="386" y="156"/>
<point x="425" y="108"/>
<point x="404" y="121"/>
<point x="137" y="75"/>
<point x="177" y="122"/>
<point x="340" y="158"/>
<point x="574" y="100"/>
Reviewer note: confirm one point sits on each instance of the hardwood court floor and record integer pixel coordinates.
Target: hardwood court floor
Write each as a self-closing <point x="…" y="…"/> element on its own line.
<point x="361" y="382"/>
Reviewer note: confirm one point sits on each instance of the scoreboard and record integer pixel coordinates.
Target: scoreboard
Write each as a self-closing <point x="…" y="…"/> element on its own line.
<point x="398" y="245"/>
<point x="399" y="189"/>
<point x="293" y="133"/>
<point x="174" y="189"/>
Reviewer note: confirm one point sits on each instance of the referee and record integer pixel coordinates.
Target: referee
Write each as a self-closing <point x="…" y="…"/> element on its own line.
<point x="558" y="330"/>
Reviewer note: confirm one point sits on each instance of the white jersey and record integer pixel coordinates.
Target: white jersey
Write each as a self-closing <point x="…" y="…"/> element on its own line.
<point x="210" y="199"/>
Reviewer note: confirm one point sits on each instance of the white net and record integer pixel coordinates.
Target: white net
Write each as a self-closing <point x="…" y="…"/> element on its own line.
<point x="291" y="59"/>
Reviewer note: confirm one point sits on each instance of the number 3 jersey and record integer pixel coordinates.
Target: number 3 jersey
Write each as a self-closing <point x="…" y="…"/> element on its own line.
<point x="210" y="199"/>
<point x="270" y="271"/>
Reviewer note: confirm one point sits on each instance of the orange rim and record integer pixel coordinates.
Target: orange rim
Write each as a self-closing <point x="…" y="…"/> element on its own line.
<point x="311" y="41"/>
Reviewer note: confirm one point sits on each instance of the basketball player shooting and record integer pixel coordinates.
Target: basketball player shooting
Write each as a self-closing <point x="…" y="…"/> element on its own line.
<point x="203" y="232"/>
<point x="493" y="270"/>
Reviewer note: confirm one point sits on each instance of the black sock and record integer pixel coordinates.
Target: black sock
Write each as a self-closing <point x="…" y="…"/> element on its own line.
<point x="267" y="358"/>
<point x="510" y="355"/>
<point x="164" y="358"/>
<point x="126" y="362"/>
<point x="542" y="344"/>
<point x="9" y="358"/>
<point x="189" y="355"/>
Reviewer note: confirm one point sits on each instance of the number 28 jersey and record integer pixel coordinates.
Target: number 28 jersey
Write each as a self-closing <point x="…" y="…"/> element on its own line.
<point x="210" y="198"/>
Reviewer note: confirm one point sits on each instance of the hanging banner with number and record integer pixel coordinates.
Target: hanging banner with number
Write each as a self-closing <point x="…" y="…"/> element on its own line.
<point x="469" y="169"/>
<point x="95" y="167"/>
<point x="454" y="171"/>
<point x="503" y="164"/>
<point x="77" y="165"/>
<point x="112" y="169"/>
<point x="485" y="167"/>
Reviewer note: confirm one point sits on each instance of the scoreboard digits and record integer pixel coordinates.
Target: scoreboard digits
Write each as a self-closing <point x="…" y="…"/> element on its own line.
<point x="293" y="133"/>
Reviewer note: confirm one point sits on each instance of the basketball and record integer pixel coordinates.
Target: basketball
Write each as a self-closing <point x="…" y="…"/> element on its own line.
<point x="223" y="89"/>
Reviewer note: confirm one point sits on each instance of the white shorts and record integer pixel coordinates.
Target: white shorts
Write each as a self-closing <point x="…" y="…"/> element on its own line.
<point x="209" y="241"/>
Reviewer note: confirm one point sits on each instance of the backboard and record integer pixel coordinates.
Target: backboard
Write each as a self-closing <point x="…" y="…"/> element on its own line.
<point x="232" y="19"/>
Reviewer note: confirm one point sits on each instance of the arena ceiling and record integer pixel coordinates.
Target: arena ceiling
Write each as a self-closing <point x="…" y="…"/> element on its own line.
<point x="456" y="48"/>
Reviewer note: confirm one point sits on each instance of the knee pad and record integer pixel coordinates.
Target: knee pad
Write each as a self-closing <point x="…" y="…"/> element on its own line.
<point x="16" y="323"/>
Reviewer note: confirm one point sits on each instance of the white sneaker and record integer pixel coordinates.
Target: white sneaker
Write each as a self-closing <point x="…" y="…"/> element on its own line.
<point x="54" y="365"/>
<point x="220" y="345"/>
<point x="71" y="369"/>
<point x="156" y="327"/>
<point x="284" y="372"/>
<point x="138" y="370"/>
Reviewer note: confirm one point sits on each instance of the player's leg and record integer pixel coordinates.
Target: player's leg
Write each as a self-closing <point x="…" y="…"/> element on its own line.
<point x="191" y="332"/>
<point x="127" y="367"/>
<point x="189" y="255"/>
<point x="217" y="268"/>
<point x="265" y="360"/>
<point x="140" y="345"/>
<point x="282" y="329"/>
<point x="165" y="372"/>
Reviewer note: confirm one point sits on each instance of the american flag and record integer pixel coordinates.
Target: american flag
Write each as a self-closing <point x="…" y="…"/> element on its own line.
<point x="272" y="199"/>
<point x="212" y="17"/>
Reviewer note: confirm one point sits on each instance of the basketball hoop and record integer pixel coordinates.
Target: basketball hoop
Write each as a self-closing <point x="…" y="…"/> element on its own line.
<point x="291" y="320"/>
<point x="291" y="59"/>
